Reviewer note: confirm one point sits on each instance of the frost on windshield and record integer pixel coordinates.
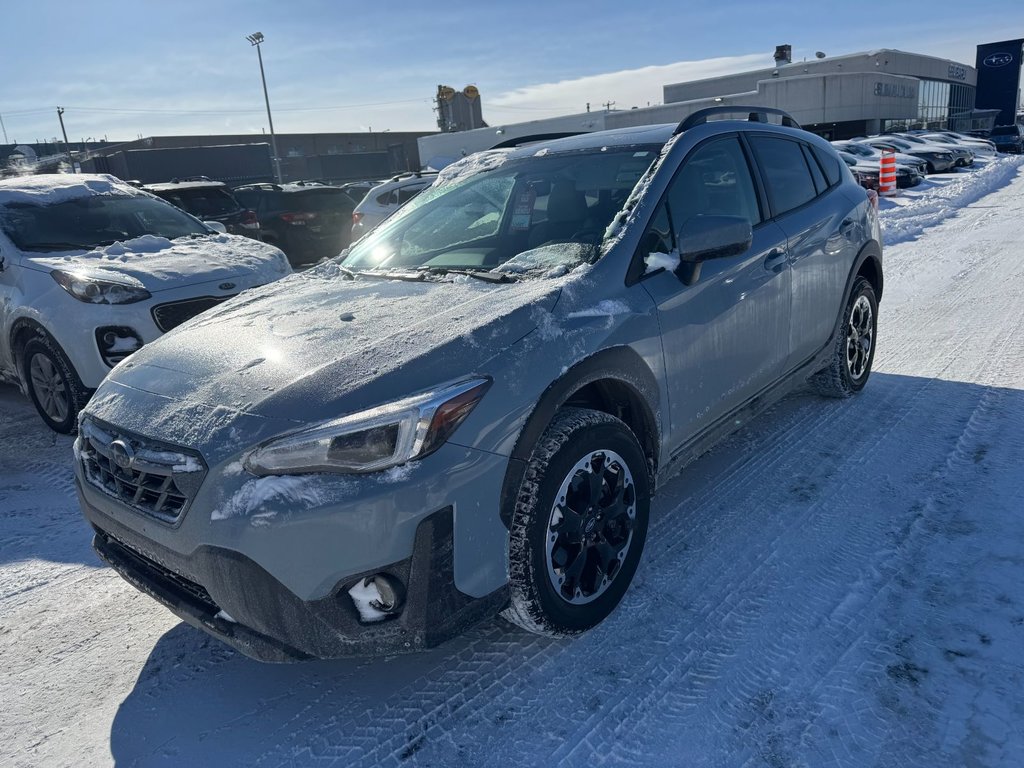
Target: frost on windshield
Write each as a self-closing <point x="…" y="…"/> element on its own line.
<point x="472" y="165"/>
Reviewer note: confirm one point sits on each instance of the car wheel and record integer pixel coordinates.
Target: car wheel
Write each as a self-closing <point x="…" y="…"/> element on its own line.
<point x="854" y="348"/>
<point x="53" y="384"/>
<point x="579" y="524"/>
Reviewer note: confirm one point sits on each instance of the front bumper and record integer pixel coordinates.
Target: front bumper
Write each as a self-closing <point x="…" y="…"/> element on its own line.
<point x="270" y="623"/>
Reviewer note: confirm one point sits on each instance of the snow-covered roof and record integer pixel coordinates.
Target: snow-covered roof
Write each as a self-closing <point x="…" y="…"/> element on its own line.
<point x="46" y="189"/>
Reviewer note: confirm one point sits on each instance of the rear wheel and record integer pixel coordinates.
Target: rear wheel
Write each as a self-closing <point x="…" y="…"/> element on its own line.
<point x="854" y="348"/>
<point x="53" y="384"/>
<point x="579" y="525"/>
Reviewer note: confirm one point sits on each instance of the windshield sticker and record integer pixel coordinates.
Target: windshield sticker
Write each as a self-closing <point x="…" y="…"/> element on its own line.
<point x="522" y="214"/>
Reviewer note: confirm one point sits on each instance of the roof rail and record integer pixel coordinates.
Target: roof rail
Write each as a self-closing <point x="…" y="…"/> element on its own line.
<point x="754" y="115"/>
<point x="519" y="141"/>
<point x="412" y="175"/>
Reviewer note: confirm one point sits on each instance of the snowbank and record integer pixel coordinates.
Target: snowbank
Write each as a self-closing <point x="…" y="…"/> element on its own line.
<point x="908" y="216"/>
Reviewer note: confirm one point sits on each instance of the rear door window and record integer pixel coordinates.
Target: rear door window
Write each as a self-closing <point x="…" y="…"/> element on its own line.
<point x="785" y="172"/>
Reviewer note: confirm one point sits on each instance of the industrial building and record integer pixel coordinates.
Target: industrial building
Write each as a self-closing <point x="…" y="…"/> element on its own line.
<point x="835" y="96"/>
<point x="334" y="157"/>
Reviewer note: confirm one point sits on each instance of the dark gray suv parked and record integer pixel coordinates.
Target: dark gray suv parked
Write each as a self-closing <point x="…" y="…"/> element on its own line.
<point x="469" y="411"/>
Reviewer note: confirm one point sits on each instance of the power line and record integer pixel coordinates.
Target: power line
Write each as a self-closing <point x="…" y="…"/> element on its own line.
<point x="171" y="111"/>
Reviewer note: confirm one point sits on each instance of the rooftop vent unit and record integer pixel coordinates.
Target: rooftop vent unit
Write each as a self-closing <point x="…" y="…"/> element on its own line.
<point x="783" y="55"/>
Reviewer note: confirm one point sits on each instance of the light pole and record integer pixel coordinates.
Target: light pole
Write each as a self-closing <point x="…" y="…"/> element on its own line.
<point x="67" y="147"/>
<point x="255" y="39"/>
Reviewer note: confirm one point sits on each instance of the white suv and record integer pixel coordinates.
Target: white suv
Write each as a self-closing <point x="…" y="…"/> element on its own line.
<point x="91" y="269"/>
<point x="384" y="199"/>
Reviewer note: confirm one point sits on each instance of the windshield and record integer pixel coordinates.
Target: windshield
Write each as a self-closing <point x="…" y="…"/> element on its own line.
<point x="1005" y="130"/>
<point x="898" y="143"/>
<point x="561" y="203"/>
<point x="203" y="201"/>
<point x="859" y="149"/>
<point x="90" y="222"/>
<point x="328" y="199"/>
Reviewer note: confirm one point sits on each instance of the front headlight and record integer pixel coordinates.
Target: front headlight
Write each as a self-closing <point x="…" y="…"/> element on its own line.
<point x="93" y="291"/>
<point x="372" y="440"/>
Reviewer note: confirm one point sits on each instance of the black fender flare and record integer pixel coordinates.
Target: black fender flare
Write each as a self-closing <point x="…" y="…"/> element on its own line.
<point x="34" y="328"/>
<point x="870" y="252"/>
<point x="621" y="365"/>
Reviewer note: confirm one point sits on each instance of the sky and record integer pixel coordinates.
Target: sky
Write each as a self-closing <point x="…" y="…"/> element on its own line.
<point x="125" y="69"/>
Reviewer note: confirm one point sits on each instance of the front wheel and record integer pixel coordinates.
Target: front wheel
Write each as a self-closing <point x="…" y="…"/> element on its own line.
<point x="854" y="348"/>
<point x="579" y="524"/>
<point x="53" y="384"/>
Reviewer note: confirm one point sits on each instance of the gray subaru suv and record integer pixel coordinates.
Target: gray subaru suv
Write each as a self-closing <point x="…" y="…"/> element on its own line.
<point x="468" y="412"/>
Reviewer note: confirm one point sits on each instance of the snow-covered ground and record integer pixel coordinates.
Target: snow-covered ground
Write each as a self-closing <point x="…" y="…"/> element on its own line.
<point x="837" y="584"/>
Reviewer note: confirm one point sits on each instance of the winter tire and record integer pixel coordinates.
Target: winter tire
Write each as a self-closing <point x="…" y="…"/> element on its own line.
<point x="579" y="524"/>
<point x="53" y="384"/>
<point x="854" y="348"/>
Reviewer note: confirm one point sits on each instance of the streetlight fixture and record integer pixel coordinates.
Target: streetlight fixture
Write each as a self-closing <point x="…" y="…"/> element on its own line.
<point x="255" y="39"/>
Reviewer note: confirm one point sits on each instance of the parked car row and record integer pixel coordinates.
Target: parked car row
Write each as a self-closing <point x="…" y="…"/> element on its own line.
<point x="309" y="220"/>
<point x="917" y="153"/>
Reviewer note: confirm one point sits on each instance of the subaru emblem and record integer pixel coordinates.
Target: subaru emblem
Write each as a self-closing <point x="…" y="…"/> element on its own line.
<point x="226" y="286"/>
<point x="998" y="59"/>
<point x="121" y="454"/>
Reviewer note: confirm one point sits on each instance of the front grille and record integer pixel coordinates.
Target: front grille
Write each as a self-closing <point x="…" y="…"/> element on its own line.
<point x="174" y="313"/>
<point x="157" y="480"/>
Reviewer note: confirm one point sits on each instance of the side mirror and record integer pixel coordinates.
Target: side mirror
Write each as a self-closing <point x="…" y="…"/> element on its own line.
<point x="710" y="237"/>
<point x="216" y="226"/>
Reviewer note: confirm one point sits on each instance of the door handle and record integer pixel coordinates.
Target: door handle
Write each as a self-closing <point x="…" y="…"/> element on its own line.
<point x="775" y="258"/>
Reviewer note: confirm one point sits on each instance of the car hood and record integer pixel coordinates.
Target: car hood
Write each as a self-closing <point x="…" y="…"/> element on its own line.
<point x="316" y="345"/>
<point x="158" y="264"/>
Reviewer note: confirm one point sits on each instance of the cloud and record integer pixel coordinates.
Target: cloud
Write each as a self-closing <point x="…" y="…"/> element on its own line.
<point x="627" y="88"/>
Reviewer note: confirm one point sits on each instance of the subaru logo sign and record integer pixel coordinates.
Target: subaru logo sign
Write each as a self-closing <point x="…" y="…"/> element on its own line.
<point x="226" y="286"/>
<point x="998" y="59"/>
<point x="121" y="454"/>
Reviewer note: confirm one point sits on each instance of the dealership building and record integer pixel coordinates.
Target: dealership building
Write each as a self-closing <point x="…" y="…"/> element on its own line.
<point x="835" y="96"/>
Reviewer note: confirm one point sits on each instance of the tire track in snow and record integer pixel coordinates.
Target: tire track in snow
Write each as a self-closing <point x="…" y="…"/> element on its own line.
<point x="435" y="698"/>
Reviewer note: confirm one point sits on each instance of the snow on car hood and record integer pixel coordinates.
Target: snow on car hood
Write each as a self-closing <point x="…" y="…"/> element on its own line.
<point x="157" y="263"/>
<point x="296" y="348"/>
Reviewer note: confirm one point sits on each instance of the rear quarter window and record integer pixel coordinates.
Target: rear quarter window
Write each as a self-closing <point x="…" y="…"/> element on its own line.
<point x="829" y="163"/>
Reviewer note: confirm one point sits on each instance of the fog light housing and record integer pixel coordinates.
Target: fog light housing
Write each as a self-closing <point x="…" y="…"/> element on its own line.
<point x="116" y="342"/>
<point x="377" y="597"/>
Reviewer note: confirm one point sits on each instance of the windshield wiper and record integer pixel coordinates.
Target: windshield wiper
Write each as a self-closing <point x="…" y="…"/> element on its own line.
<point x="410" y="277"/>
<point x="58" y="247"/>
<point x="479" y="274"/>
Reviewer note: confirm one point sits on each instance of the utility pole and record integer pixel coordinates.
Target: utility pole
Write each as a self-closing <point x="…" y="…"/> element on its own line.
<point x="4" y="129"/>
<point x="67" y="147"/>
<point x="255" y="39"/>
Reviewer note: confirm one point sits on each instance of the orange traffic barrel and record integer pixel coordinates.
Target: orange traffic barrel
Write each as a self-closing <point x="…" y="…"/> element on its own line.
<point x="887" y="173"/>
